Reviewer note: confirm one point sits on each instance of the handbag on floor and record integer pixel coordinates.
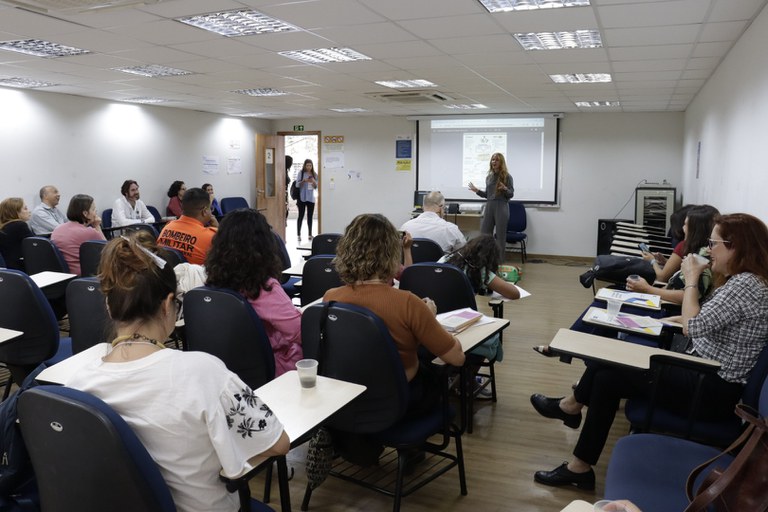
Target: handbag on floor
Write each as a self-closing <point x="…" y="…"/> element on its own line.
<point x="743" y="485"/>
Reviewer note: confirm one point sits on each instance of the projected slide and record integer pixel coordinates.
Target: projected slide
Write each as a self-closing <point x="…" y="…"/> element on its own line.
<point x="454" y="151"/>
<point x="478" y="148"/>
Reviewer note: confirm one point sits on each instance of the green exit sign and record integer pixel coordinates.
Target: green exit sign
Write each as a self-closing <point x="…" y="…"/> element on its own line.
<point x="298" y="127"/>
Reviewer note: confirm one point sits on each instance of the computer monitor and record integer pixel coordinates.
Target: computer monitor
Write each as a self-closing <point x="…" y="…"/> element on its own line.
<point x="418" y="199"/>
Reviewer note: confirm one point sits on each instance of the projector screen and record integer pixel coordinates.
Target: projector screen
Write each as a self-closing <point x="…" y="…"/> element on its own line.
<point x="453" y="151"/>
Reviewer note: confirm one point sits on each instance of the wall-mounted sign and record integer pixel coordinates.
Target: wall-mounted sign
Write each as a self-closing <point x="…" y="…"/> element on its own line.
<point x="333" y="139"/>
<point x="298" y="127"/>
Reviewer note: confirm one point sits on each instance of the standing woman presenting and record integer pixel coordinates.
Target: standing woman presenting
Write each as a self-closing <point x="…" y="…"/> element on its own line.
<point x="306" y="180"/>
<point x="498" y="190"/>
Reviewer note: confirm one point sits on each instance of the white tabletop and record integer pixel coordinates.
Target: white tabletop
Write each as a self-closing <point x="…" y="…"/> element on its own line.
<point x="579" y="506"/>
<point x="62" y="371"/>
<point x="296" y="269"/>
<point x="8" y="334"/>
<point x="301" y="409"/>
<point x="636" y="299"/>
<point x="613" y="351"/>
<point x="478" y="333"/>
<point x="47" y="278"/>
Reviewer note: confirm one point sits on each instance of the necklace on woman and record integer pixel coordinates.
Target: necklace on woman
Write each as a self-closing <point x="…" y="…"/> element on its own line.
<point x="134" y="339"/>
<point x="372" y="281"/>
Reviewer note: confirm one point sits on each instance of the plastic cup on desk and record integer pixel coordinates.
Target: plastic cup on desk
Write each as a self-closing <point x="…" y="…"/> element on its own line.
<point x="602" y="506"/>
<point x="307" y="369"/>
<point x="614" y="306"/>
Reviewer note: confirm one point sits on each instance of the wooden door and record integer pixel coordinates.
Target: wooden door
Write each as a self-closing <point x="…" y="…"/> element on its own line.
<point x="270" y="181"/>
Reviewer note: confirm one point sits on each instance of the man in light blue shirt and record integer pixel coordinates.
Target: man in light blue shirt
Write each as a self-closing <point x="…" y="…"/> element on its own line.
<point x="45" y="216"/>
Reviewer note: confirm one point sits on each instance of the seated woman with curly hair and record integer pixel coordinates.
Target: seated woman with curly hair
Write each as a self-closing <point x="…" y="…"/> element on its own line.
<point x="244" y="257"/>
<point x="367" y="258"/>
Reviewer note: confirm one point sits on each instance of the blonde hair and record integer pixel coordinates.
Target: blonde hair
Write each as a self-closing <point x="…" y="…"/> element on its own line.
<point x="503" y="172"/>
<point x="369" y="249"/>
<point x="10" y="208"/>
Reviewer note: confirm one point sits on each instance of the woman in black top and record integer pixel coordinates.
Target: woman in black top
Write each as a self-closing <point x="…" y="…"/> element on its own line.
<point x="14" y="215"/>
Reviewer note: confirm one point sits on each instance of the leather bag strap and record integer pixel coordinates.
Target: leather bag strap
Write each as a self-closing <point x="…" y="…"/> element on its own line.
<point x="750" y="439"/>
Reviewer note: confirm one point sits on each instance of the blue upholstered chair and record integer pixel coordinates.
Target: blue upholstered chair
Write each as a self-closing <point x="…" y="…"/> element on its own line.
<point x="86" y="457"/>
<point x="651" y="469"/>
<point x="90" y="257"/>
<point x="41" y="254"/>
<point x="325" y="243"/>
<point x="516" y="226"/>
<point x="89" y="322"/>
<point x="450" y="288"/>
<point x="26" y="309"/>
<point x="229" y="204"/>
<point x="643" y="416"/>
<point x="318" y="276"/>
<point x="222" y="322"/>
<point x="356" y="347"/>
<point x="106" y="218"/>
<point x="155" y="213"/>
<point x="425" y="250"/>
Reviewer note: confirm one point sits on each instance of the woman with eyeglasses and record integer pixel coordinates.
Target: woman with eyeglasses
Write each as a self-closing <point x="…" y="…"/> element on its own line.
<point x="730" y="326"/>
<point x="195" y="417"/>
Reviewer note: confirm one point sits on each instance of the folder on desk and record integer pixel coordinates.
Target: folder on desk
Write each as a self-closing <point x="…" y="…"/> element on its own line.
<point x="641" y="300"/>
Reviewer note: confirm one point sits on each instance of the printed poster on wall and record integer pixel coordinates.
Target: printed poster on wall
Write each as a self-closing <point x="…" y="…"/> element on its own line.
<point x="210" y="164"/>
<point x="404" y="153"/>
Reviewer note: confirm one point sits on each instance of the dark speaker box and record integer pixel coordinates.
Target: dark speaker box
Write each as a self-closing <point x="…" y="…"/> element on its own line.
<point x="606" y="228"/>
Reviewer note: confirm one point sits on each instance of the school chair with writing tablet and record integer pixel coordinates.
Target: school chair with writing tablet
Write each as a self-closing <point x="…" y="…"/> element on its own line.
<point x="355" y="346"/>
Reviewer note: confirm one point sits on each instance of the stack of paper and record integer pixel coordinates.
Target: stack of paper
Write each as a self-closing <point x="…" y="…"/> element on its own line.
<point x="457" y="321"/>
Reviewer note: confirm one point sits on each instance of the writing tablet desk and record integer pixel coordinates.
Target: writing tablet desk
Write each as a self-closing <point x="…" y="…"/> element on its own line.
<point x="48" y="278"/>
<point x="8" y="334"/>
<point x="569" y="344"/>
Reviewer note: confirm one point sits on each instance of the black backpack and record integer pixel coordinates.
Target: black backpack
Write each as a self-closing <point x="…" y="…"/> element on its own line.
<point x="15" y="466"/>
<point x="616" y="269"/>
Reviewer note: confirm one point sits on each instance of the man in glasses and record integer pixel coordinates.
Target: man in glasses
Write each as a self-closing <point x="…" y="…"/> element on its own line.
<point x="193" y="232"/>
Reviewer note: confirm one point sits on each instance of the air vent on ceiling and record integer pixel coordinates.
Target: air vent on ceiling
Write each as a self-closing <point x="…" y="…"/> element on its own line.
<point x="74" y="6"/>
<point x="411" y="97"/>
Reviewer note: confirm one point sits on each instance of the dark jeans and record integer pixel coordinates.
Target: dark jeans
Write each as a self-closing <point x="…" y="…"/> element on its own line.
<point x="310" y="208"/>
<point x="601" y="388"/>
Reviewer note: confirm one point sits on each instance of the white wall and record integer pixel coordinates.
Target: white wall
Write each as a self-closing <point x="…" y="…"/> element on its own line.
<point x="90" y="146"/>
<point x="603" y="157"/>
<point x="728" y="117"/>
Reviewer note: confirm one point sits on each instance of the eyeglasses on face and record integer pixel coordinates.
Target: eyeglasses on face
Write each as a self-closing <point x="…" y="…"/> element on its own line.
<point x="712" y="243"/>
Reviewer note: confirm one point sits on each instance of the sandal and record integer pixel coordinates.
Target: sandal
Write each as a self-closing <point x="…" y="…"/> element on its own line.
<point x="544" y="350"/>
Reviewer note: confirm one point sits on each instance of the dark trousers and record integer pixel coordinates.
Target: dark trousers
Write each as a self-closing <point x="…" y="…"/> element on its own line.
<point x="310" y="208"/>
<point x="496" y="215"/>
<point x="602" y="387"/>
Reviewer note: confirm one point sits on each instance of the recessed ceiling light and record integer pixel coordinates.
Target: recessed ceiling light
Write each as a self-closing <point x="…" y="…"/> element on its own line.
<point x="145" y="100"/>
<point x="251" y="114"/>
<point x="473" y="106"/>
<point x="323" y="55"/>
<point x="560" y="40"/>
<point x="40" y="48"/>
<point x="264" y="91"/>
<point x="527" y="5"/>
<point x="24" y="83"/>
<point x="347" y="110"/>
<point x="406" y="84"/>
<point x="579" y="78"/>
<point x="153" y="71"/>
<point x="587" y="104"/>
<point x="238" y="23"/>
